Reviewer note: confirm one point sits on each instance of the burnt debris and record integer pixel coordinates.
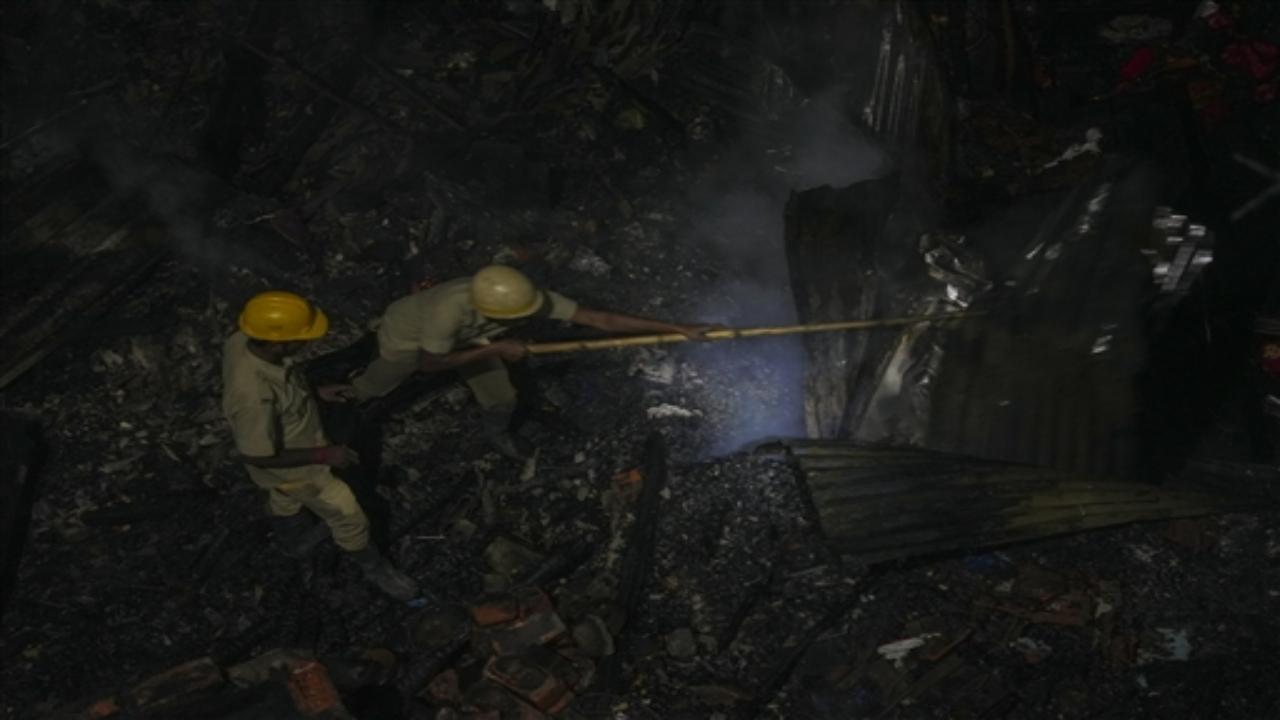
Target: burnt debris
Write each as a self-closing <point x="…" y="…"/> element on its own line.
<point x="1061" y="502"/>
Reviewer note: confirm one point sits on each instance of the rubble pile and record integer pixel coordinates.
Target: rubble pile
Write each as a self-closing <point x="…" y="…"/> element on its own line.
<point x="636" y="155"/>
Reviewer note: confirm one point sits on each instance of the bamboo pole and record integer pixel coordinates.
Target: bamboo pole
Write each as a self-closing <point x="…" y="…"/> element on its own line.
<point x="571" y="346"/>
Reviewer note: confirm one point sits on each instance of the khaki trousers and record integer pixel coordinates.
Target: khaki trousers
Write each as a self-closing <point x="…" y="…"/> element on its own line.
<point x="382" y="376"/>
<point x="331" y="500"/>
<point x="489" y="381"/>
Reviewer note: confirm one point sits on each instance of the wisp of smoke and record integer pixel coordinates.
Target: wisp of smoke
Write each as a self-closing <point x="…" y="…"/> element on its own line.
<point x="755" y="387"/>
<point x="172" y="193"/>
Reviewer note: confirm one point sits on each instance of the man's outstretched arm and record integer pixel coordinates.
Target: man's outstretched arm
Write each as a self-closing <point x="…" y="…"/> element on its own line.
<point x="612" y="322"/>
<point x="509" y="350"/>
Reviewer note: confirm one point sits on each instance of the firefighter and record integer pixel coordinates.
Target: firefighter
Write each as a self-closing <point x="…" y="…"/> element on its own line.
<point x="275" y="421"/>
<point x="453" y="326"/>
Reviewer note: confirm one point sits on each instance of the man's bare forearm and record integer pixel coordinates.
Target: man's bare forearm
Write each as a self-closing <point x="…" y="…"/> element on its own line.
<point x="618" y="323"/>
<point x="287" y="458"/>
<point x="439" y="363"/>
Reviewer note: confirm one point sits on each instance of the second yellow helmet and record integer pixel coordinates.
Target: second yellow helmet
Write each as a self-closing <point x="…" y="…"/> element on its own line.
<point x="504" y="293"/>
<point x="282" y="316"/>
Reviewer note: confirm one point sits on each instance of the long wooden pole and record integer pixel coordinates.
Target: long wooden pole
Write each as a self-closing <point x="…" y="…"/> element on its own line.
<point x="572" y="346"/>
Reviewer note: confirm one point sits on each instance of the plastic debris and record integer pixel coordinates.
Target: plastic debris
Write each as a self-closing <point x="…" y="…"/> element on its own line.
<point x="898" y="650"/>
<point x="1167" y="644"/>
<point x="1090" y="145"/>
<point x="1033" y="650"/>
<point x="667" y="410"/>
<point x="1135" y="28"/>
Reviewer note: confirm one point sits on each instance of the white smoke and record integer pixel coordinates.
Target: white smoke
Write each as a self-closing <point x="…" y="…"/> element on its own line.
<point x="175" y="195"/>
<point x="755" y="387"/>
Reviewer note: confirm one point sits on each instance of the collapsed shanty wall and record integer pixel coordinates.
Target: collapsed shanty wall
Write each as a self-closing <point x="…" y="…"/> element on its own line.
<point x="840" y="241"/>
<point x="896" y="92"/>
<point x="1072" y="281"/>
<point x="1048" y="376"/>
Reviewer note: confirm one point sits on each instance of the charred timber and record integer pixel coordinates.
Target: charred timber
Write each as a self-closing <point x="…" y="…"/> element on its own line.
<point x="886" y="504"/>
<point x="637" y="560"/>
<point x="21" y="453"/>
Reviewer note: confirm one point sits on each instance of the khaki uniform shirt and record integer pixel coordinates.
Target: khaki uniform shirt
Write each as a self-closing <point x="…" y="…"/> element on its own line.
<point x="441" y="318"/>
<point x="270" y="408"/>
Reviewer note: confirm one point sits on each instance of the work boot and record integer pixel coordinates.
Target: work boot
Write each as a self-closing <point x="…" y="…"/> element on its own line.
<point x="382" y="573"/>
<point x="497" y="423"/>
<point x="298" y="534"/>
<point x="510" y="446"/>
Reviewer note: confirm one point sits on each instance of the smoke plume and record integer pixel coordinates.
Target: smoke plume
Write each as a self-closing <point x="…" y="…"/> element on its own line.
<point x="757" y="385"/>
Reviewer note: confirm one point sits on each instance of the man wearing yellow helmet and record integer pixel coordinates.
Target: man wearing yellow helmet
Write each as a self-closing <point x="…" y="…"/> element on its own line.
<point x="275" y="421"/>
<point x="451" y="326"/>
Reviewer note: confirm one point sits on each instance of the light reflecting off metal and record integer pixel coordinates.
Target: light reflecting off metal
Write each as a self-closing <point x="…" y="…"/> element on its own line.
<point x="1265" y="194"/>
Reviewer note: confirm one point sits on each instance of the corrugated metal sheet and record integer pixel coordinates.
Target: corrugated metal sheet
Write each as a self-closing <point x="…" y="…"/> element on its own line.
<point x="877" y="504"/>
<point x="1048" y="377"/>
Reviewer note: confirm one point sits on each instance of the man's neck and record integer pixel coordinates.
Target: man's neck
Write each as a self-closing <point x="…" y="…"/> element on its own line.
<point x="263" y="352"/>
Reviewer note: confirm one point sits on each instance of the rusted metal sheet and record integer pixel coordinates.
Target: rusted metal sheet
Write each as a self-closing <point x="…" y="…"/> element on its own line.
<point x="877" y="504"/>
<point x="1049" y="376"/>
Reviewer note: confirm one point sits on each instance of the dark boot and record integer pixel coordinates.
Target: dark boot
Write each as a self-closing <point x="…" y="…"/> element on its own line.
<point x="298" y="534"/>
<point x="510" y="446"/>
<point x="382" y="573"/>
<point x="497" y="424"/>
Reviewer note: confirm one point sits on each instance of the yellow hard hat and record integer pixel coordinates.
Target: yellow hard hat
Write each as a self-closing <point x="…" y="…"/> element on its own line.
<point x="504" y="293"/>
<point x="282" y="316"/>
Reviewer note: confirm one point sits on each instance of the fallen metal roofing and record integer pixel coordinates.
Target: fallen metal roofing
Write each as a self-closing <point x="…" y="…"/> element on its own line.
<point x="1052" y="375"/>
<point x="876" y="504"/>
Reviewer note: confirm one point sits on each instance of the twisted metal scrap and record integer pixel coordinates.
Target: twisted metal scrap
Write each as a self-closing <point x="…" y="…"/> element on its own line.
<point x="630" y="36"/>
<point x="1262" y="197"/>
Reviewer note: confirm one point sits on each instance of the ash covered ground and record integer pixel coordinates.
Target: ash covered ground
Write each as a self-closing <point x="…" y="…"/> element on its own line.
<point x="668" y="210"/>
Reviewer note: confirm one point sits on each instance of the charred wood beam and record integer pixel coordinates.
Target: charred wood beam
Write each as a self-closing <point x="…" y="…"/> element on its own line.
<point x="21" y="453"/>
<point x="210" y="557"/>
<point x="637" y="560"/>
<point x="25" y="203"/>
<point x="128" y="513"/>
<point x="747" y="601"/>
<point x="241" y="110"/>
<point x="438" y="508"/>
<point x="338" y="96"/>
<point x="94" y="285"/>
<point x="422" y="668"/>
<point x="673" y="125"/>
<point x="312" y="615"/>
<point x="334" y="90"/>
<point x="778" y="679"/>
<point x="44" y="123"/>
<point x="269" y="178"/>
<point x="560" y="564"/>
<point x="315" y="82"/>
<point x="435" y="108"/>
